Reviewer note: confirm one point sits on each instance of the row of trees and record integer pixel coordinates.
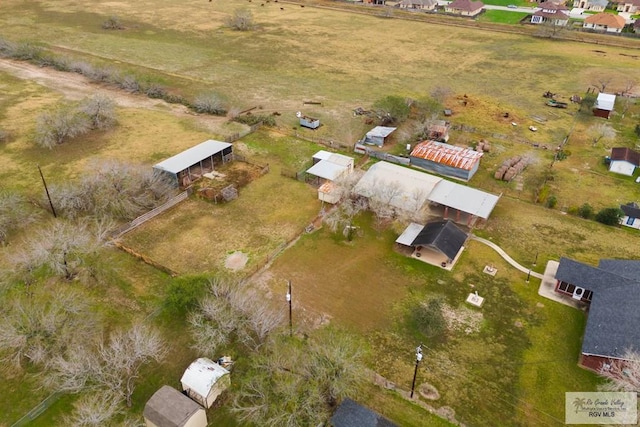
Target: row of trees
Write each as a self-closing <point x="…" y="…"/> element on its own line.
<point x="68" y="121"/>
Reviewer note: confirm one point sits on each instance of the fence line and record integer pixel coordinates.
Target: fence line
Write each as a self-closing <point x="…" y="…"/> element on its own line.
<point x="38" y="409"/>
<point x="151" y="214"/>
<point x="145" y="259"/>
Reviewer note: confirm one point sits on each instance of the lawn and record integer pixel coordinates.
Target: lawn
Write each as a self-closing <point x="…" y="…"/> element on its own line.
<point x="502" y="16"/>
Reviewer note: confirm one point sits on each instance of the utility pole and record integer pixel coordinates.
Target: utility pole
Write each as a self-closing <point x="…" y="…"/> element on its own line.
<point x="415" y="372"/>
<point x="290" y="310"/>
<point x="47" y="191"/>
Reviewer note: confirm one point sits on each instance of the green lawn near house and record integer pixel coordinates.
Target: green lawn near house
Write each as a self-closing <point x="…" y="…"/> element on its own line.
<point x="502" y="16"/>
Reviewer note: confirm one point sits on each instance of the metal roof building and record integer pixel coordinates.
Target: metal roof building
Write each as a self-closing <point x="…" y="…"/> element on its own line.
<point x="466" y="199"/>
<point x="204" y="380"/>
<point x="411" y="187"/>
<point x="192" y="163"/>
<point x="377" y="135"/>
<point x="446" y="159"/>
<point x="330" y="166"/>
<point x="604" y="105"/>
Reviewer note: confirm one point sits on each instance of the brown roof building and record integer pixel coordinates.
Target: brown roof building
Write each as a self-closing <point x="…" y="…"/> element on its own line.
<point x="464" y="7"/>
<point x="607" y="22"/>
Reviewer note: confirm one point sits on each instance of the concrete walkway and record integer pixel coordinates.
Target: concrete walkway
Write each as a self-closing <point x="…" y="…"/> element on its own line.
<point x="506" y="257"/>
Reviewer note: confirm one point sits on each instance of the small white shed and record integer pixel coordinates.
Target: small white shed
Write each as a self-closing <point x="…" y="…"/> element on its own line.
<point x="170" y="408"/>
<point x="378" y="135"/>
<point x="204" y="380"/>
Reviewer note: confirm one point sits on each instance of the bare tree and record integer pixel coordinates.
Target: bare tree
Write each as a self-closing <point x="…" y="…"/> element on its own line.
<point x="112" y="189"/>
<point x="56" y="126"/>
<point x="39" y="326"/>
<point x="342" y="216"/>
<point x="629" y="85"/>
<point x="14" y="213"/>
<point x="296" y="385"/>
<point x="209" y="103"/>
<point x="94" y="409"/>
<point x="601" y="132"/>
<point x="551" y="28"/>
<point x="100" y="109"/>
<point x="441" y="94"/>
<point x="60" y="246"/>
<point x="241" y="20"/>
<point x="602" y="83"/>
<point x="232" y="313"/>
<point x="113" y="367"/>
<point x="623" y="375"/>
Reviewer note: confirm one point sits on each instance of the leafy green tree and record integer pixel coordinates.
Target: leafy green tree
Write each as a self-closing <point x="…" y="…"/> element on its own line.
<point x="429" y="319"/>
<point x="551" y="202"/>
<point x="392" y="110"/>
<point x="610" y="216"/>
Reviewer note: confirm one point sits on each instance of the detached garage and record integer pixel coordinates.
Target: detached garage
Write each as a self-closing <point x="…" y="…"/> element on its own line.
<point x="193" y="163"/>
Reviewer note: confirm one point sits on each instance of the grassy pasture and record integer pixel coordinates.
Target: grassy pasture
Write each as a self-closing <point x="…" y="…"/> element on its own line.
<point x="299" y="54"/>
<point x="508" y="371"/>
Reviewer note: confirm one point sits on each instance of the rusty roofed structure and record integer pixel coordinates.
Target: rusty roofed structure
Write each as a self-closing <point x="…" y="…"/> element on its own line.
<point x="446" y="159"/>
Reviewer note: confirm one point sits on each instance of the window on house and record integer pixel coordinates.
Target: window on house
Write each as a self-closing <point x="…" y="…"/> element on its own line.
<point x="536" y="19"/>
<point x="630" y="221"/>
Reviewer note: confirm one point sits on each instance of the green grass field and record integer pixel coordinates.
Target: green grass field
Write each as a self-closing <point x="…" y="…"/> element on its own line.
<point x="502" y="16"/>
<point x="516" y="368"/>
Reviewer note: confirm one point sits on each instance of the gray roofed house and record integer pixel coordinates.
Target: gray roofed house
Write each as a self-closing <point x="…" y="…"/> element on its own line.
<point x="592" y="5"/>
<point x="442" y="236"/>
<point x="192" y="163"/>
<point x="631" y="215"/>
<point x="438" y="243"/>
<point x="613" y="291"/>
<point x="170" y="408"/>
<point x="351" y="414"/>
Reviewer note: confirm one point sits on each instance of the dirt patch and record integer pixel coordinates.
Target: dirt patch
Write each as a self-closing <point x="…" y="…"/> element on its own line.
<point x="462" y="319"/>
<point x="236" y="261"/>
<point x="75" y="87"/>
<point x="428" y="391"/>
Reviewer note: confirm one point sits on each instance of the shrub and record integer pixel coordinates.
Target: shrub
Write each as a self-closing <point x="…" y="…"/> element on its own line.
<point x="112" y="23"/>
<point x="183" y="294"/>
<point x="585" y="211"/>
<point x="55" y="126"/>
<point x="155" y="91"/>
<point x="209" y="103"/>
<point x="610" y="216"/>
<point x="241" y="20"/>
<point x="551" y="202"/>
<point x="429" y="319"/>
<point x="252" y="119"/>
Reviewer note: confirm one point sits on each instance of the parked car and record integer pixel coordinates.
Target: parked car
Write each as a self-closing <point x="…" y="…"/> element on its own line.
<point x="512" y="6"/>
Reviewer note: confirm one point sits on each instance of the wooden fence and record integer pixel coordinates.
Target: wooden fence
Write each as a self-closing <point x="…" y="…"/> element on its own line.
<point x="37" y="410"/>
<point x="151" y="214"/>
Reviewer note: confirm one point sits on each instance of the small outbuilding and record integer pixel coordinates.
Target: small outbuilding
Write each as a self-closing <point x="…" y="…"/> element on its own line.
<point x="308" y="122"/>
<point x="204" y="380"/>
<point x="170" y="408"/>
<point x="624" y="161"/>
<point x="190" y="165"/>
<point x="604" y="105"/>
<point x="328" y="167"/>
<point x="378" y="135"/>
<point x="446" y="159"/>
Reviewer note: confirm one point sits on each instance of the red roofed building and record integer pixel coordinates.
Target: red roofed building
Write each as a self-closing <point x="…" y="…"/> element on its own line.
<point x="464" y="7"/>
<point x="445" y="159"/>
<point x="607" y="22"/>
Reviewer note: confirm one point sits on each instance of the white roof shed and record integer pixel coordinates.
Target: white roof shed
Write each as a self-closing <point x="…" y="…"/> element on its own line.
<point x="192" y="156"/>
<point x="203" y="381"/>
<point x="330" y="166"/>
<point x="605" y="101"/>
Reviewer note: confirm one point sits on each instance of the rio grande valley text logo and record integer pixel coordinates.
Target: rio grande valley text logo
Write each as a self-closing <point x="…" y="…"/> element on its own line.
<point x="601" y="408"/>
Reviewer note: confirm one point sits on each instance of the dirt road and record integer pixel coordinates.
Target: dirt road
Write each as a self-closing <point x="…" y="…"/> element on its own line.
<point x="75" y="87"/>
